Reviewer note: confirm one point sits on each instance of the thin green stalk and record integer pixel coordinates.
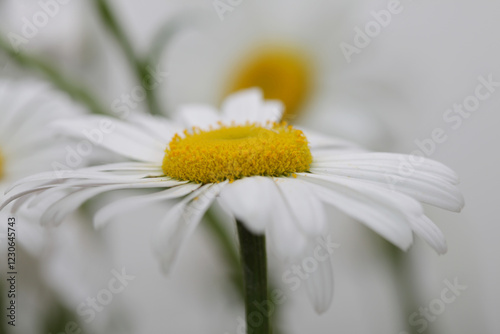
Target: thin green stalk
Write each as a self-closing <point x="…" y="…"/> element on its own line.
<point x="254" y="264"/>
<point x="138" y="66"/>
<point x="190" y="19"/>
<point x="78" y="92"/>
<point x="406" y="291"/>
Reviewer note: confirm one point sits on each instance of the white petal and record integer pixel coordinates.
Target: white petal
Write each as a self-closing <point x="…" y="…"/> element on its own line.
<point x="130" y="203"/>
<point x="22" y="202"/>
<point x="157" y="126"/>
<point x="7" y="200"/>
<point x="270" y="111"/>
<point x="28" y="137"/>
<point x="382" y="210"/>
<point x="58" y="191"/>
<point x="250" y="200"/>
<point x="180" y="222"/>
<point x="318" y="141"/>
<point x="425" y="186"/>
<point x="93" y="175"/>
<point x="201" y="116"/>
<point x="18" y="106"/>
<point x="127" y="140"/>
<point x="288" y="240"/>
<point x="304" y="204"/>
<point x="427" y="230"/>
<point x="47" y="197"/>
<point x="126" y="166"/>
<point x="320" y="283"/>
<point x="397" y="163"/>
<point x="56" y="213"/>
<point x="243" y="106"/>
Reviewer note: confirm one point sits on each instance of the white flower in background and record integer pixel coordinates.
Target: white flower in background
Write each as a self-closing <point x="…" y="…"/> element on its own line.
<point x="272" y="177"/>
<point x="289" y="49"/>
<point x="27" y="144"/>
<point x="50" y="262"/>
<point x="27" y="147"/>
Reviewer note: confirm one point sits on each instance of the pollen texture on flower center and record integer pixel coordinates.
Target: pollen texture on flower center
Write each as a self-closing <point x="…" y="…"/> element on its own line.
<point x="234" y="152"/>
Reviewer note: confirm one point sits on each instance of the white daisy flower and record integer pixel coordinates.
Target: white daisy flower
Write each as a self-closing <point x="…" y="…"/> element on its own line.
<point x="27" y="145"/>
<point x="290" y="50"/>
<point x="273" y="178"/>
<point x="50" y="262"/>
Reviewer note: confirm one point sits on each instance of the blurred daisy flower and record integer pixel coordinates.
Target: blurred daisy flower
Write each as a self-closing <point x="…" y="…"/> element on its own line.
<point x="28" y="146"/>
<point x="273" y="178"/>
<point x="290" y="50"/>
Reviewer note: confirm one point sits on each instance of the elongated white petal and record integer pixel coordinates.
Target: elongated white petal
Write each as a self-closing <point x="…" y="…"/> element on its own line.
<point x="20" y="102"/>
<point x="122" y="138"/>
<point x="401" y="164"/>
<point x="180" y="222"/>
<point x="250" y="200"/>
<point x="138" y="175"/>
<point x="404" y="204"/>
<point x="130" y="203"/>
<point x="320" y="283"/>
<point x="28" y="137"/>
<point x="318" y="142"/>
<point x="427" y="230"/>
<point x="304" y="205"/>
<point x="382" y="210"/>
<point x="22" y="202"/>
<point x="56" y="213"/>
<point x="200" y="116"/>
<point x="156" y="126"/>
<point x="50" y="196"/>
<point x="146" y="182"/>
<point x="286" y="237"/>
<point x="23" y="198"/>
<point x="9" y="199"/>
<point x="126" y="167"/>
<point x="423" y="186"/>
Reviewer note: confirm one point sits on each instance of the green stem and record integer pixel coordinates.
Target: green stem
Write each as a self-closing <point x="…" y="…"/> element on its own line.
<point x="170" y="29"/>
<point x="138" y="66"/>
<point x="78" y="92"/>
<point x="406" y="292"/>
<point x="254" y="263"/>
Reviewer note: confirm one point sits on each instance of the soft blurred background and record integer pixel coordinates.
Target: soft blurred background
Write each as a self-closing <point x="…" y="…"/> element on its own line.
<point x="391" y="93"/>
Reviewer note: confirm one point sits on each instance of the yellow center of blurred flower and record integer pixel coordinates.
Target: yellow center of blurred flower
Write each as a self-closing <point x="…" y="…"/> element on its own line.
<point x="283" y="74"/>
<point x="234" y="152"/>
<point x="2" y="171"/>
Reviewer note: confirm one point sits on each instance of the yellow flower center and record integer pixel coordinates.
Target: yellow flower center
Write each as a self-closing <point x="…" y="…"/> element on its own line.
<point x="2" y="168"/>
<point x="282" y="74"/>
<point x="234" y="152"/>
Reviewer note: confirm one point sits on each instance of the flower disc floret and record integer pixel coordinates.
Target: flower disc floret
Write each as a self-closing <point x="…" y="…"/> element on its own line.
<point x="237" y="151"/>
